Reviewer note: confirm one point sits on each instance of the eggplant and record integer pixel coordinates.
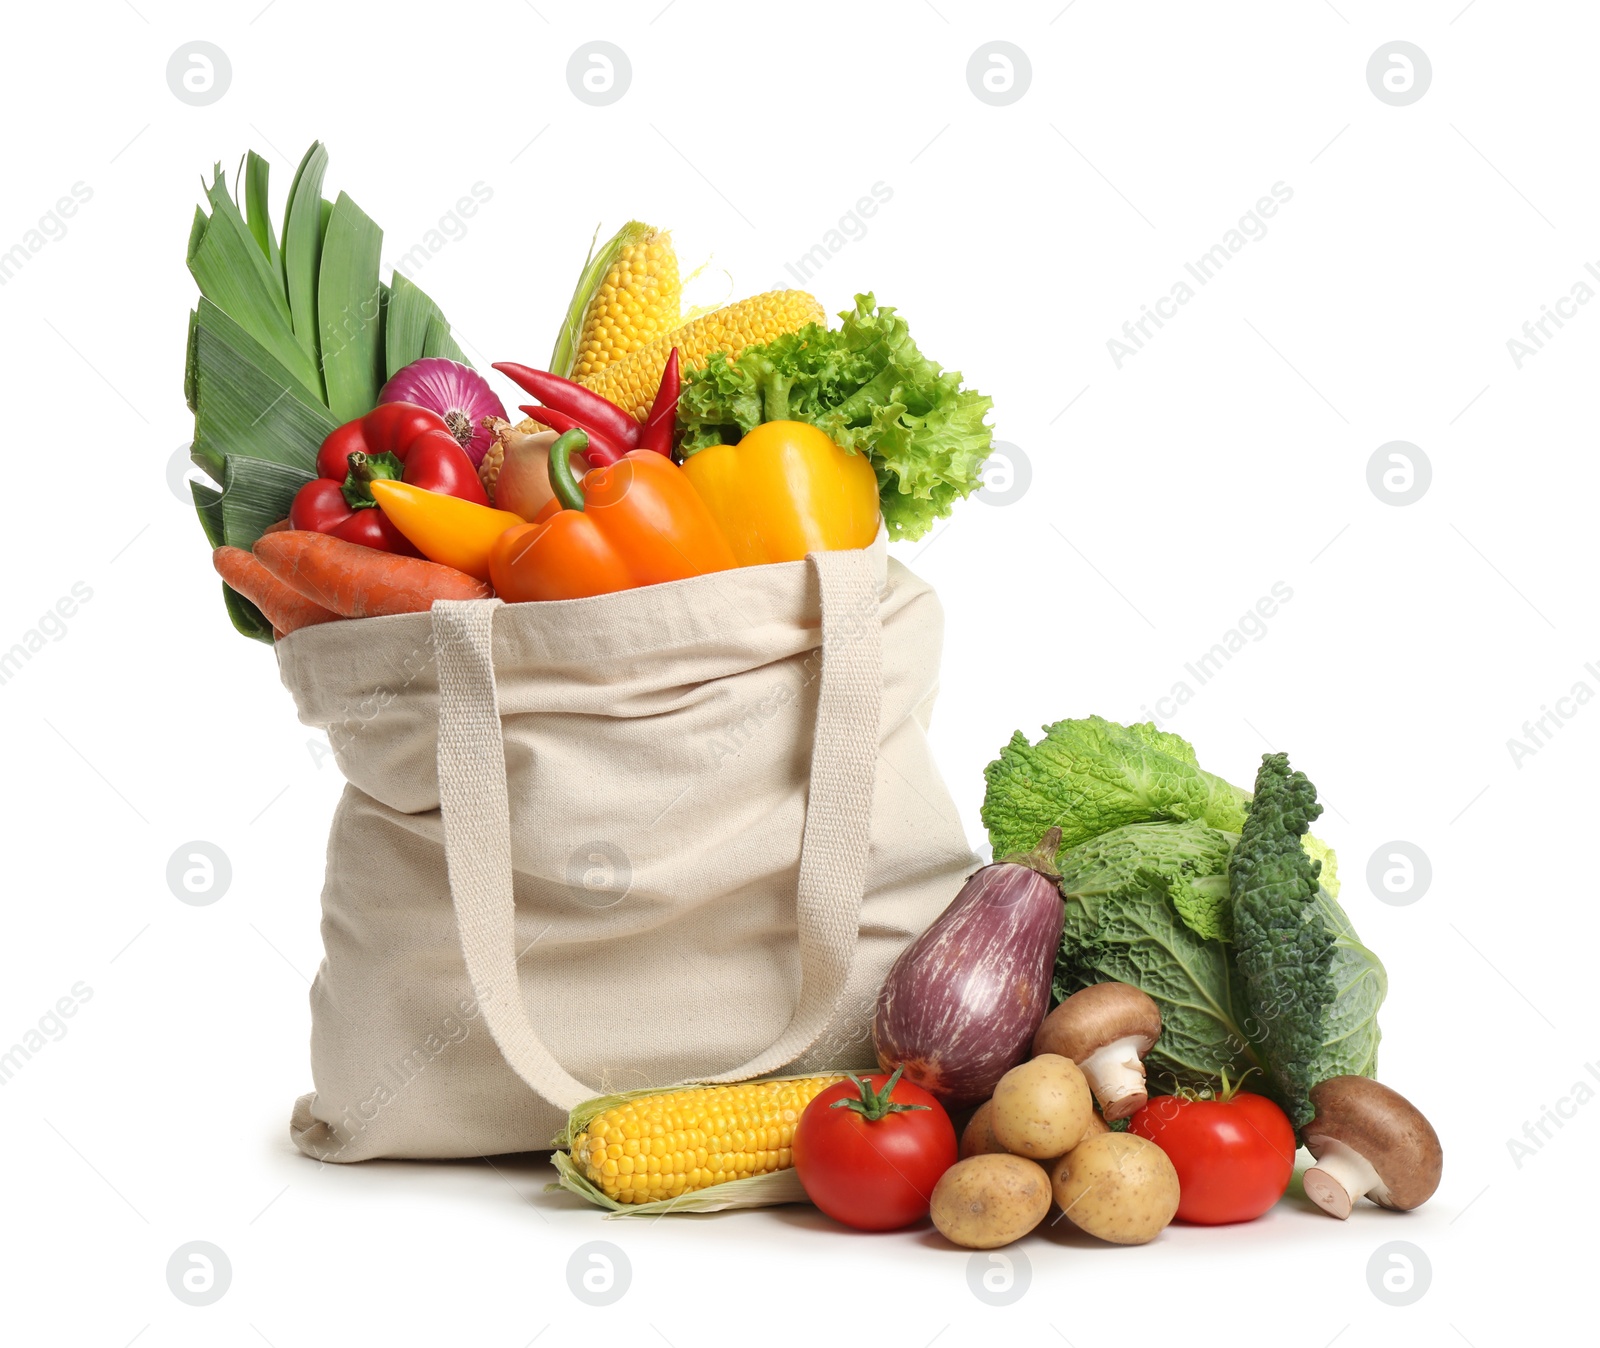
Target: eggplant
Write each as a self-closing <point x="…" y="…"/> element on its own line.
<point x="960" y="1006"/>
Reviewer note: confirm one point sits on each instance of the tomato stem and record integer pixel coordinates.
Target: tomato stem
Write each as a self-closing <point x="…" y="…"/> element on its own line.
<point x="873" y="1105"/>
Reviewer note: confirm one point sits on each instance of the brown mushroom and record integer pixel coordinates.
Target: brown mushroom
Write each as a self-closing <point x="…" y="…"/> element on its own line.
<point x="1372" y="1141"/>
<point x="1106" y="1028"/>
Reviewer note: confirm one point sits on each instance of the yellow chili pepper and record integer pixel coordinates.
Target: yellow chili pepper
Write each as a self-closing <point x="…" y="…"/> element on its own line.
<point x="443" y="528"/>
<point x="785" y="490"/>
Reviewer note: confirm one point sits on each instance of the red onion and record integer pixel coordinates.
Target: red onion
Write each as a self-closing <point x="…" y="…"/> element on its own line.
<point x="456" y="392"/>
<point x="960" y="1006"/>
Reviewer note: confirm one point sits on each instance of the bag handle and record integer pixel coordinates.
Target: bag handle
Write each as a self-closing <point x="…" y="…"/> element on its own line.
<point x="473" y="802"/>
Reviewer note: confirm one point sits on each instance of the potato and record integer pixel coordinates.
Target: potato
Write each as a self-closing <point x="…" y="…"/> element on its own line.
<point x="1097" y="1125"/>
<point x="977" y="1138"/>
<point x="1117" y="1186"/>
<point x="1042" y="1108"/>
<point x="987" y="1201"/>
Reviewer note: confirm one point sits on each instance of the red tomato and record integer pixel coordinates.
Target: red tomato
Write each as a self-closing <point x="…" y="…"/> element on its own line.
<point x="1233" y="1156"/>
<point x="872" y="1163"/>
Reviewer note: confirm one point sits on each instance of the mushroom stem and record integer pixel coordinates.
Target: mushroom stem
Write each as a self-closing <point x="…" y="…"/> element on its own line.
<point x="1340" y="1177"/>
<point x="1116" y="1075"/>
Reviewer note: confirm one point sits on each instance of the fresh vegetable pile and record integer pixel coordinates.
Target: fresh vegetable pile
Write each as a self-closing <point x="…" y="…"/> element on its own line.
<point x="1186" y="932"/>
<point x="1151" y="938"/>
<point x="337" y="406"/>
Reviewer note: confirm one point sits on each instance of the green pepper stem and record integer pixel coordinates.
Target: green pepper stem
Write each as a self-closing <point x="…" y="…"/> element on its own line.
<point x="364" y="470"/>
<point x="568" y="490"/>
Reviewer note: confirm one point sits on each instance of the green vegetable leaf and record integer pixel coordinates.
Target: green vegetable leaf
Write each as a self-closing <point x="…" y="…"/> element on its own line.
<point x="257" y="173"/>
<point x="1360" y="983"/>
<point x="256" y="493"/>
<point x="302" y="250"/>
<point x="1088" y="776"/>
<point x="208" y="506"/>
<point x="233" y="273"/>
<point x="350" y="311"/>
<point x="439" y="342"/>
<point x="406" y="327"/>
<point x="191" y="363"/>
<point x="247" y="403"/>
<point x="1327" y="858"/>
<point x="246" y="617"/>
<point x="1283" y="951"/>
<point x="1123" y="925"/>
<point x="872" y="391"/>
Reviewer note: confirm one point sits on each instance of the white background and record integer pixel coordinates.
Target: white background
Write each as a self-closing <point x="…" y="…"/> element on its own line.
<point x="1167" y="496"/>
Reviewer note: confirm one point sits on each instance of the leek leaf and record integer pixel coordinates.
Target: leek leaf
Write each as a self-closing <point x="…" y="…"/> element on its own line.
<point x="415" y="327"/>
<point x="208" y="506"/>
<point x="233" y="273"/>
<point x="257" y="172"/>
<point x="247" y="618"/>
<point x="191" y="363"/>
<point x="302" y="250"/>
<point x="255" y="494"/>
<point x="247" y="404"/>
<point x="350" y="311"/>
<point x="439" y="342"/>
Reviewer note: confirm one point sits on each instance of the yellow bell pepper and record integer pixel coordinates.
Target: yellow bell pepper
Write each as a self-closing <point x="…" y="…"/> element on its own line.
<point x="785" y="490"/>
<point x="443" y="528"/>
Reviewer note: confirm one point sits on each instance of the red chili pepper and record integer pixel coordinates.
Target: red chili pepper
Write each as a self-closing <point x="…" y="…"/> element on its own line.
<point x="397" y="440"/>
<point x="663" y="419"/>
<point x="588" y="409"/>
<point x="602" y="451"/>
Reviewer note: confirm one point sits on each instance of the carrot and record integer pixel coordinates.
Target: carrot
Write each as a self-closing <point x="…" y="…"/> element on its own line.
<point x="360" y="582"/>
<point x="277" y="528"/>
<point x="286" y="609"/>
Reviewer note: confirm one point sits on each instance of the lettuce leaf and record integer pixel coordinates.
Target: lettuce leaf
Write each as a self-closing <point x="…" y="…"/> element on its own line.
<point x="1089" y="776"/>
<point x="872" y="391"/>
<point x="1360" y="983"/>
<point x="1122" y="893"/>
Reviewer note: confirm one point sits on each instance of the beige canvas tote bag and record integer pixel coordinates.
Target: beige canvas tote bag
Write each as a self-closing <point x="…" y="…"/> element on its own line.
<point x="676" y="833"/>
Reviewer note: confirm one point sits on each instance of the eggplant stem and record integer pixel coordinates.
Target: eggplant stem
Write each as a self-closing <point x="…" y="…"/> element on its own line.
<point x="1043" y="857"/>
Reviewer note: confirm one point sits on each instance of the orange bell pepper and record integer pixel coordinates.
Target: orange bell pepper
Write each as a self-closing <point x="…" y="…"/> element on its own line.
<point x="633" y="522"/>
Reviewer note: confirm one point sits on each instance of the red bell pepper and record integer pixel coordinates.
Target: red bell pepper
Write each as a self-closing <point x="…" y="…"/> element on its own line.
<point x="397" y="440"/>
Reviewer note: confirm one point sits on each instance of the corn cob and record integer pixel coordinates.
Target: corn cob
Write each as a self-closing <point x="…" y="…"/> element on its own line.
<point x="661" y="1146"/>
<point x="627" y="295"/>
<point x="632" y="381"/>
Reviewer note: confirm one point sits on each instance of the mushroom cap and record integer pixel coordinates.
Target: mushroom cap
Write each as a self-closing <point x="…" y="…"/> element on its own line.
<point x="1385" y="1128"/>
<point x="1095" y="1016"/>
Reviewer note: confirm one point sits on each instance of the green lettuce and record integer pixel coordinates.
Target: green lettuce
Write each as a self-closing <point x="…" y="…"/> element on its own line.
<point x="872" y="391"/>
<point x="1089" y="776"/>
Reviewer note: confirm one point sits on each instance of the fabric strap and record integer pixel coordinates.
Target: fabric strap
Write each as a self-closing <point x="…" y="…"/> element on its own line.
<point x="834" y="846"/>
